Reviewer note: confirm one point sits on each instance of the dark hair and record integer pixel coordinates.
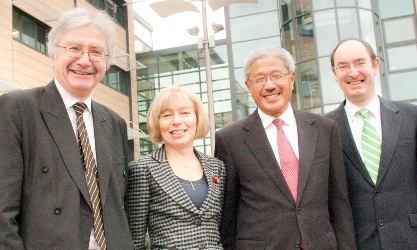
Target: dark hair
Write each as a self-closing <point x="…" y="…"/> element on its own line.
<point x="365" y="43"/>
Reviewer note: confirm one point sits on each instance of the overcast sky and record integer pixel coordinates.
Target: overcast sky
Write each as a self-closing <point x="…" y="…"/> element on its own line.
<point x="171" y="31"/>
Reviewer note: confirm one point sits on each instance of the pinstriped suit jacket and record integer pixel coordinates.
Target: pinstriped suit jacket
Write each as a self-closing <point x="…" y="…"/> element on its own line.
<point x="157" y="201"/>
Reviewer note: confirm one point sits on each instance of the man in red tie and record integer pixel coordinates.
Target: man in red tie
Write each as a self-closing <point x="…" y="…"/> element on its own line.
<point x="286" y="182"/>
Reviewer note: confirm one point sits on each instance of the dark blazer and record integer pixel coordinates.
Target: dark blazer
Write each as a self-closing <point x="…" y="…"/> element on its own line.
<point x="44" y="202"/>
<point x="157" y="201"/>
<point x="259" y="211"/>
<point x="385" y="214"/>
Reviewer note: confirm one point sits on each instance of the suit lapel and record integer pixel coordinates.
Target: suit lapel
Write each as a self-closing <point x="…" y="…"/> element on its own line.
<point x="262" y="151"/>
<point x="307" y="140"/>
<point x="166" y="179"/>
<point x="209" y="172"/>
<point x="391" y="125"/>
<point x="61" y="130"/>
<point x="102" y="130"/>
<point x="349" y="145"/>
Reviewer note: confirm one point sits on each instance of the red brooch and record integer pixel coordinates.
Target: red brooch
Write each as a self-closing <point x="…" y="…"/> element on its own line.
<point x="215" y="179"/>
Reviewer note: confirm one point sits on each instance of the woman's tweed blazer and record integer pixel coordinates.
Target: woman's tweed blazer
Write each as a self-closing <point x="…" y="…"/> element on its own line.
<point x="157" y="201"/>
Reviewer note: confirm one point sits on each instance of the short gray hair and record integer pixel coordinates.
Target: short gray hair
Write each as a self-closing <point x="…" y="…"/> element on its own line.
<point x="78" y="17"/>
<point x="265" y="51"/>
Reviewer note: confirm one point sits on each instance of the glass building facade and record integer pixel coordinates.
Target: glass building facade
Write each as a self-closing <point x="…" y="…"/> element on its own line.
<point x="309" y="29"/>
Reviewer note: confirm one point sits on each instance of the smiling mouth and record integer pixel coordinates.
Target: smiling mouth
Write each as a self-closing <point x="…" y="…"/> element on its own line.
<point x="272" y="96"/>
<point x="177" y="132"/>
<point x="82" y="73"/>
<point x="355" y="82"/>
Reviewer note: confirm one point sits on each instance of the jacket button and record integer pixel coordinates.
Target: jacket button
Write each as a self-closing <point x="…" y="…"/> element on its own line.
<point x="124" y="173"/>
<point x="381" y="222"/>
<point x="297" y="244"/>
<point x="57" y="210"/>
<point x="298" y="211"/>
<point x="201" y="245"/>
<point x="45" y="169"/>
<point x="198" y="222"/>
<point x="376" y="192"/>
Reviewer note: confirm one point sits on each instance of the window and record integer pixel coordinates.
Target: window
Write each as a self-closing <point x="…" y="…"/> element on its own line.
<point x="29" y="31"/>
<point x="115" y="10"/>
<point x="117" y="79"/>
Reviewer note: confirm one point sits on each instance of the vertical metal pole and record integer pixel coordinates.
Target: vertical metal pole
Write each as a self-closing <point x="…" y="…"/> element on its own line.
<point x="208" y="78"/>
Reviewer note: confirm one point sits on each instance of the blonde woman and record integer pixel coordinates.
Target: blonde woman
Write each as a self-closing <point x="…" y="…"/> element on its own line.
<point x="176" y="192"/>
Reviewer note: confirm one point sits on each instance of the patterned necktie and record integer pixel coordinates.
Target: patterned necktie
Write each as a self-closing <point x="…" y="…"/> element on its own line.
<point x="371" y="145"/>
<point x="91" y="174"/>
<point x="288" y="159"/>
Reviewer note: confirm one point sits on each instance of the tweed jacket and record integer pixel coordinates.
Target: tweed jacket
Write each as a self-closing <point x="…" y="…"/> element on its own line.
<point x="259" y="211"/>
<point x="157" y="202"/>
<point x="44" y="201"/>
<point x="385" y="213"/>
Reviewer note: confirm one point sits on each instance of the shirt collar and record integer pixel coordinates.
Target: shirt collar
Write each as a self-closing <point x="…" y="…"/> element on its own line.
<point x="70" y="100"/>
<point x="288" y="117"/>
<point x="373" y="107"/>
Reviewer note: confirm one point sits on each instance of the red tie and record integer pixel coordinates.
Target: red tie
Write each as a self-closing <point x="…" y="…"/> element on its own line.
<point x="288" y="160"/>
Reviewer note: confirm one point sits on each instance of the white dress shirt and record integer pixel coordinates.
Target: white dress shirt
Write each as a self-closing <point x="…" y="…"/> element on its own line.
<point x="289" y="127"/>
<point x="69" y="101"/>
<point x="356" y="121"/>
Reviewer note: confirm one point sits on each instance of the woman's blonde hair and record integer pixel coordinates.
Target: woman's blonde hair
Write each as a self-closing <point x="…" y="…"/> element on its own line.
<point x="164" y="99"/>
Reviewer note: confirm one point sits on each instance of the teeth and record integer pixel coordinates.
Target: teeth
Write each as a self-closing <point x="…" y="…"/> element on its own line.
<point x="81" y="73"/>
<point x="178" y="132"/>
<point x="355" y="83"/>
<point x="271" y="96"/>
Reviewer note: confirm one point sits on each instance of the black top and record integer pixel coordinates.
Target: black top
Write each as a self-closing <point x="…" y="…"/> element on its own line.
<point x="199" y="193"/>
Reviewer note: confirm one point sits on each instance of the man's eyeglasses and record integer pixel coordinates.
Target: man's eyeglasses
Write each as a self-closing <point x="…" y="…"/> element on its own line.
<point x="95" y="55"/>
<point x="345" y="67"/>
<point x="261" y="80"/>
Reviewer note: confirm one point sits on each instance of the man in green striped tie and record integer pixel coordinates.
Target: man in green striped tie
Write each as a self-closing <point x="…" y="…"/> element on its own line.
<point x="379" y="144"/>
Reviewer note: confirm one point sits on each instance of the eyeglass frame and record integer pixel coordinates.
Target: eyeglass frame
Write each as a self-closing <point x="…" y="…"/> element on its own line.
<point x="274" y="77"/>
<point x="82" y="51"/>
<point x="347" y="66"/>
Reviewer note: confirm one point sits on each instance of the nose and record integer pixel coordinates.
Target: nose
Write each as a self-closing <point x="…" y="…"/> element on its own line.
<point x="269" y="83"/>
<point x="84" y="59"/>
<point x="352" y="71"/>
<point x="176" y="119"/>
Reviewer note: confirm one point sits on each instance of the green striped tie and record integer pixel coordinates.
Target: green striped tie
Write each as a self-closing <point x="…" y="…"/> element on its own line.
<point x="371" y="145"/>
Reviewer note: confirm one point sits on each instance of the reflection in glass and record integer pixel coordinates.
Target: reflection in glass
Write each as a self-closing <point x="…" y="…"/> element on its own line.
<point x="399" y="30"/>
<point x="403" y="86"/>
<point x="367" y="27"/>
<point x="402" y="57"/>
<point x="329" y="87"/>
<point x="348" y="22"/>
<point x="286" y="9"/>
<point x="322" y="4"/>
<point x="302" y="7"/>
<point x="288" y="37"/>
<point x="254" y="27"/>
<point x="326" y="32"/>
<point x="390" y="8"/>
<point x="310" y="89"/>
<point x="306" y="38"/>
<point x="241" y="50"/>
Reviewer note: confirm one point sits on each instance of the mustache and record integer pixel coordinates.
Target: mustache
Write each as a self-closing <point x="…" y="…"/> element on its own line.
<point x="89" y="70"/>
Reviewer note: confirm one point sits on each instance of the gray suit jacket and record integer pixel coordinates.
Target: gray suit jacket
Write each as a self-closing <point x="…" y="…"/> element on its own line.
<point x="45" y="203"/>
<point x="385" y="214"/>
<point x="157" y="201"/>
<point x="259" y="211"/>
